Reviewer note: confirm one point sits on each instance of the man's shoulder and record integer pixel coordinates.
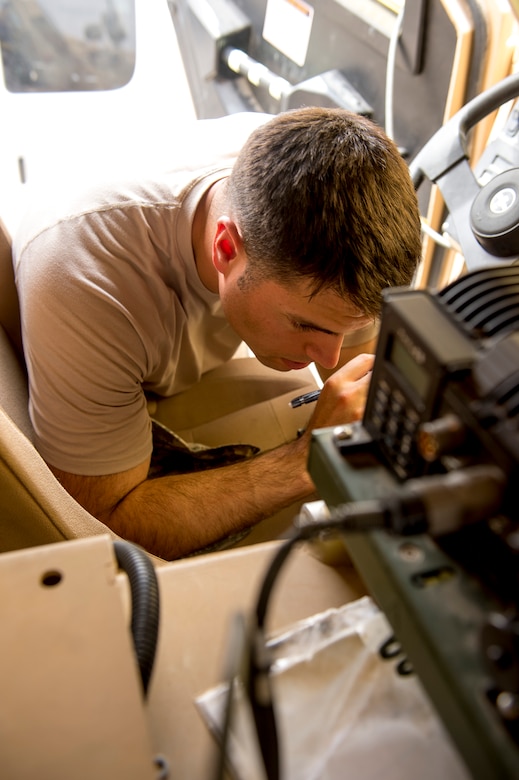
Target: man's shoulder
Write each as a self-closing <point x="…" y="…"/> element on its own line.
<point x="97" y="201"/>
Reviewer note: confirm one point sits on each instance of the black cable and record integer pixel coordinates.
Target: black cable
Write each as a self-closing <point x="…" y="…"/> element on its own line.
<point x="144" y="591"/>
<point x="363" y="516"/>
<point x="259" y="687"/>
<point x="360" y="516"/>
<point x="233" y="666"/>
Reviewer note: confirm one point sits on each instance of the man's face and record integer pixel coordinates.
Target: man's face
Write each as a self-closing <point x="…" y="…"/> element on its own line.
<point x="284" y="327"/>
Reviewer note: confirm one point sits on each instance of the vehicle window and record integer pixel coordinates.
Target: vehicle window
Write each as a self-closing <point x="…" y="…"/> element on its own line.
<point x="67" y="45"/>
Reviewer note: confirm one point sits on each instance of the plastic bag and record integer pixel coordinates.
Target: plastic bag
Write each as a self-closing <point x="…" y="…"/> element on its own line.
<point x="341" y="709"/>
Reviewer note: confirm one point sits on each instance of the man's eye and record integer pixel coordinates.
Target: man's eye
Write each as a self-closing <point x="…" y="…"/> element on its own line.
<point x="302" y="326"/>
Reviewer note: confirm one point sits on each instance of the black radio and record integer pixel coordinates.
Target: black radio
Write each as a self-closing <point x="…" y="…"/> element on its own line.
<point x="420" y="352"/>
<point x="446" y="371"/>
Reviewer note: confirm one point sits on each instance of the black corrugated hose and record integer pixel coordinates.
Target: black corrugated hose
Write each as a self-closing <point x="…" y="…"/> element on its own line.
<point x="144" y="589"/>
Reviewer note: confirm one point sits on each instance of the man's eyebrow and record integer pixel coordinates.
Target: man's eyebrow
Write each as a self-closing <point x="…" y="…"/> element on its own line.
<point x="313" y="326"/>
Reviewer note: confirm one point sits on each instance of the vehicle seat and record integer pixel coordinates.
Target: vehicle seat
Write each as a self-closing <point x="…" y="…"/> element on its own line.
<point x="34" y="508"/>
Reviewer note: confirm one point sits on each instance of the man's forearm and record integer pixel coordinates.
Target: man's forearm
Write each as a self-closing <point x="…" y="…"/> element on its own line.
<point x="174" y="515"/>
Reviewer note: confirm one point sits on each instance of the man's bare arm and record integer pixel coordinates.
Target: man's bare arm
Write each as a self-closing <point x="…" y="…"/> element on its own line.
<point x="172" y="516"/>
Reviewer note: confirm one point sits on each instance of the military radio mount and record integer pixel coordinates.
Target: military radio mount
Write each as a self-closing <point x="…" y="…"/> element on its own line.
<point x="438" y="450"/>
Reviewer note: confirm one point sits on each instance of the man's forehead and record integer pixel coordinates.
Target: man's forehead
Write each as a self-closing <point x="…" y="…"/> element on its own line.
<point x="330" y="298"/>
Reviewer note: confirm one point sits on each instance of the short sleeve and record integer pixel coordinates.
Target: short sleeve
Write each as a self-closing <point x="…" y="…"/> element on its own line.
<point x="86" y="363"/>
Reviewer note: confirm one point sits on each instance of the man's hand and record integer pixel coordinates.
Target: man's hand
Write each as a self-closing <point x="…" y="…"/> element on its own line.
<point x="344" y="394"/>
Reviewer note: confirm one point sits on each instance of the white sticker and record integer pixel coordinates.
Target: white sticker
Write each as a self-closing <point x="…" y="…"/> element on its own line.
<point x="287" y="26"/>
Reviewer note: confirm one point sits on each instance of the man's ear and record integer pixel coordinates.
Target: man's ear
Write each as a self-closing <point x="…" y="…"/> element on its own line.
<point x="227" y="244"/>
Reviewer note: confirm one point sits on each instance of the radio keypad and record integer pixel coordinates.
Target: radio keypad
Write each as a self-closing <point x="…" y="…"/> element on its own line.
<point x="396" y="424"/>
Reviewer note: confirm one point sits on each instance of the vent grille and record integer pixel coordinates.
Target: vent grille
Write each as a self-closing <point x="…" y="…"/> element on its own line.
<point x="484" y="303"/>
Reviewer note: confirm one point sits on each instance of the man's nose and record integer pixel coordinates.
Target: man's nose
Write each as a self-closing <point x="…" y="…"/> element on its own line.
<point x="325" y="350"/>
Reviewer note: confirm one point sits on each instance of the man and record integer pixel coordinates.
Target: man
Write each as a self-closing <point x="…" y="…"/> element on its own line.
<point x="142" y="287"/>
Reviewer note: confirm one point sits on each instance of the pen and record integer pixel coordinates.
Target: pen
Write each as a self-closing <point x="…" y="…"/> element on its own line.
<point x="307" y="398"/>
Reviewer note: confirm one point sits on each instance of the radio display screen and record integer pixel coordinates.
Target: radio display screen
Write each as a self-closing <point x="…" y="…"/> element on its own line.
<point x="414" y="374"/>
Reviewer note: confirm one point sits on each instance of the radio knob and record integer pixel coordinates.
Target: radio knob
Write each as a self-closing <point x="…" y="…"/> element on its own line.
<point x="439" y="437"/>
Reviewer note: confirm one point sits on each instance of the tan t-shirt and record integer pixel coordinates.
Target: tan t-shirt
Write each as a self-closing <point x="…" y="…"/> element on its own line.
<point x="112" y="307"/>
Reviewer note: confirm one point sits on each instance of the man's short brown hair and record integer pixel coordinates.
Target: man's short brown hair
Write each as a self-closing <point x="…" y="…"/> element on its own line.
<point x="323" y="194"/>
